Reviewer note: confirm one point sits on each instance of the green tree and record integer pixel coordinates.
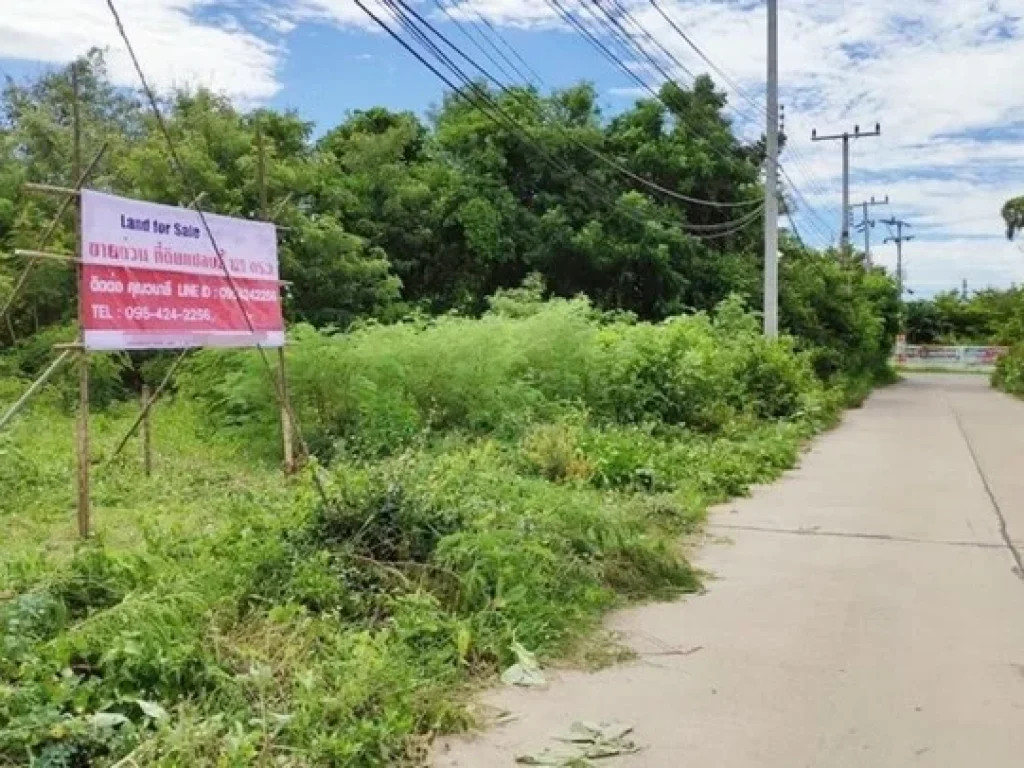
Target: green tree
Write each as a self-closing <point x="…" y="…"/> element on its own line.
<point x="337" y="276"/>
<point x="1013" y="214"/>
<point x="844" y="315"/>
<point x="386" y="211"/>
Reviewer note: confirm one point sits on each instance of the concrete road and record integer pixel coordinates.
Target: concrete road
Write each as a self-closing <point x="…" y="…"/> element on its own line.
<point x="868" y="611"/>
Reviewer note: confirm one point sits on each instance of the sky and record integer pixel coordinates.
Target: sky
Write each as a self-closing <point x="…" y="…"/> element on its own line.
<point x="942" y="77"/>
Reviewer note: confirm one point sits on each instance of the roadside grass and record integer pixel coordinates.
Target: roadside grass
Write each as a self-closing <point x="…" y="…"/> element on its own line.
<point x="196" y="486"/>
<point x="491" y="485"/>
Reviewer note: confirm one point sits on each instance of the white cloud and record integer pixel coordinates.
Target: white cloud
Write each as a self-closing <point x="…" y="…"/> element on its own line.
<point x="175" y="45"/>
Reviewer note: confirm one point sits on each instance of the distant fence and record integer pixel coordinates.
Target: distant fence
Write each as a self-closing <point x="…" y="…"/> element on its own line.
<point x="953" y="358"/>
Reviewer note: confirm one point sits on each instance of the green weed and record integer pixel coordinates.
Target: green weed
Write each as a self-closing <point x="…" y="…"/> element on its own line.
<point x="491" y="483"/>
<point x="1009" y="373"/>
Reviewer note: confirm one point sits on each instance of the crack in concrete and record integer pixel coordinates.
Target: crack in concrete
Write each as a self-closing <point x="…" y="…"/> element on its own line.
<point x="1004" y="527"/>
<point x="854" y="535"/>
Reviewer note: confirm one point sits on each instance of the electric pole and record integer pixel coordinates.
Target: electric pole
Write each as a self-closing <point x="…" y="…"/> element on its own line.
<point x="845" y="228"/>
<point x="771" y="200"/>
<point x="899" y="240"/>
<point x="867" y="224"/>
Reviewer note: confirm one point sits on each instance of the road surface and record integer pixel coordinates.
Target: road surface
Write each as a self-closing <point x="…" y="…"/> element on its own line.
<point x="868" y="611"/>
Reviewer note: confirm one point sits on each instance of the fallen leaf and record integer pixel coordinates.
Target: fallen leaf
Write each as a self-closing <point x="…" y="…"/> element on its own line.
<point x="525" y="672"/>
<point x="151" y="709"/>
<point x="108" y="719"/>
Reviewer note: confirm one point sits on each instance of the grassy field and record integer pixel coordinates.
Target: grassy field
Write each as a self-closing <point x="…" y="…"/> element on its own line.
<point x="490" y="485"/>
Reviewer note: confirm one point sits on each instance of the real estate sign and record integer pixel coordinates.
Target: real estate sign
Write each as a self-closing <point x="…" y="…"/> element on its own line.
<point x="152" y="279"/>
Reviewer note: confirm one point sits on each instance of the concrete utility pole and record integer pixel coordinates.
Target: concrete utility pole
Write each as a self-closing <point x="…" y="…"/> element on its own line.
<point x="868" y="224"/>
<point x="899" y="240"/>
<point x="771" y="170"/>
<point x="845" y="224"/>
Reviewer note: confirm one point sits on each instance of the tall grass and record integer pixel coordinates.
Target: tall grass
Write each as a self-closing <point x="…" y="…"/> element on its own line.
<point x="492" y="482"/>
<point x="377" y="389"/>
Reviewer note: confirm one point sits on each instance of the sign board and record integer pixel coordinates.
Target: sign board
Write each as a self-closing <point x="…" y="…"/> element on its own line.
<point x="151" y="278"/>
<point x="953" y="358"/>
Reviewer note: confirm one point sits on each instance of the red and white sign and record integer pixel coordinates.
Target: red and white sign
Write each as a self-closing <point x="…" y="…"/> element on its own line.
<point x="151" y="278"/>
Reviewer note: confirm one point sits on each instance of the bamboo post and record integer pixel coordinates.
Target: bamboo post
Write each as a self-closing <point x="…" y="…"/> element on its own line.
<point x="82" y="443"/>
<point x="148" y="404"/>
<point x="82" y="423"/>
<point x="287" y="431"/>
<point x="147" y="435"/>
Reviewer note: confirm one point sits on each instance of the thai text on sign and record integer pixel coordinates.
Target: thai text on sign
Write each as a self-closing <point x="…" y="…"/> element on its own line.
<point x="151" y="278"/>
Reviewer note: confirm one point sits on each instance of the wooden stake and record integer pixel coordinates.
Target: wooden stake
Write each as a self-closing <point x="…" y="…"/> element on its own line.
<point x="287" y="430"/>
<point x="82" y="423"/>
<point x="148" y="404"/>
<point x="82" y="443"/>
<point x="147" y="435"/>
<point x="28" y="254"/>
<point x="261" y="172"/>
<point x="50" y="189"/>
<point x="76" y="125"/>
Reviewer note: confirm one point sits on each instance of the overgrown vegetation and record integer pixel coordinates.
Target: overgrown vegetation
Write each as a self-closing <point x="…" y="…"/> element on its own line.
<point x="491" y="482"/>
<point x="518" y="394"/>
<point x="1013" y="215"/>
<point x="985" y="317"/>
<point x="989" y="317"/>
<point x="1009" y="373"/>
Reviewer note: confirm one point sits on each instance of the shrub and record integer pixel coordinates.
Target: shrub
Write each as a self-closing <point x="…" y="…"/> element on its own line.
<point x="844" y="316"/>
<point x="1009" y="373"/>
<point x="375" y="390"/>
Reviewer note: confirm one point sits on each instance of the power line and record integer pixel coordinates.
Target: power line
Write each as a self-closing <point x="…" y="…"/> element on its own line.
<point x="580" y="28"/>
<point x="473" y="39"/>
<point x="653" y="62"/>
<point x="798" y="159"/>
<point x="867" y="224"/>
<point x="619" y="31"/>
<point x="625" y="13"/>
<point x="821" y="228"/>
<point x="405" y="11"/>
<point x="483" y="19"/>
<point x="796" y="232"/>
<point x="817" y="222"/>
<point x="485" y="104"/>
<point x="407" y="22"/>
<point x="532" y="78"/>
<point x="596" y="42"/>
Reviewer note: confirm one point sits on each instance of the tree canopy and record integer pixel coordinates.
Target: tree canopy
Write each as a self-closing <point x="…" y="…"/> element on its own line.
<point x="1013" y="214"/>
<point x="389" y="212"/>
<point x="388" y="208"/>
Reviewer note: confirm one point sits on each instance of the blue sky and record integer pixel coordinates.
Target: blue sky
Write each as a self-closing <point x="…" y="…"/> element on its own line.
<point x="942" y="76"/>
<point x="330" y="71"/>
